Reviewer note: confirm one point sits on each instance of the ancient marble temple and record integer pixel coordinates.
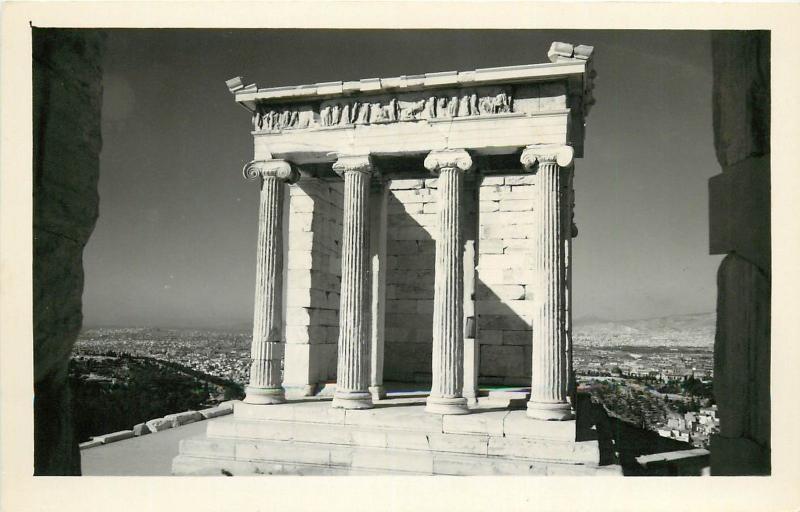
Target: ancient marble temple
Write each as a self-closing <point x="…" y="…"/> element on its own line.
<point x="411" y="229"/>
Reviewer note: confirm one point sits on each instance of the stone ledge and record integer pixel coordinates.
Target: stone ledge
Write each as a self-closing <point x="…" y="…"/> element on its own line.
<point x="141" y="429"/>
<point x="90" y="444"/>
<point x="551" y="70"/>
<point x="213" y="412"/>
<point x="673" y="457"/>
<point x="160" y="424"/>
<point x="183" y="418"/>
<point x="114" y="436"/>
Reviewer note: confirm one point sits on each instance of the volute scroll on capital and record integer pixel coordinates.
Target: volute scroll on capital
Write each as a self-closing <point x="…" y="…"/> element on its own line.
<point x="547" y="154"/>
<point x="353" y="163"/>
<point x="448" y="159"/>
<point x="280" y="169"/>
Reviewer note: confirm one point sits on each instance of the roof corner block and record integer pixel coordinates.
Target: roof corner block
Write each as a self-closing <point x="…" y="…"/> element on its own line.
<point x="583" y="52"/>
<point x="560" y="52"/>
<point x="235" y="84"/>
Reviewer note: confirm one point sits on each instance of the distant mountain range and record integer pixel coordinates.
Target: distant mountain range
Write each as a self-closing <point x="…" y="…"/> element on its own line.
<point x="694" y="329"/>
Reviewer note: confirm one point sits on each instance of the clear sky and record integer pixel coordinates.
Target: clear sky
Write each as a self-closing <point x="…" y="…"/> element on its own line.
<point x="176" y="239"/>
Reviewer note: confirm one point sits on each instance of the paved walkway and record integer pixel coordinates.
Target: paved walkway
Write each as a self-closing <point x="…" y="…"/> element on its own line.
<point x="149" y="455"/>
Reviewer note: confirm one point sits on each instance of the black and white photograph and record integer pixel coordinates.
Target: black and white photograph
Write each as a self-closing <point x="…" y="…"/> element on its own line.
<point x="310" y="253"/>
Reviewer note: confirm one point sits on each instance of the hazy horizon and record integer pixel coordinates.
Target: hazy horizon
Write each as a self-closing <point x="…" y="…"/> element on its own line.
<point x="175" y="242"/>
<point x="246" y="323"/>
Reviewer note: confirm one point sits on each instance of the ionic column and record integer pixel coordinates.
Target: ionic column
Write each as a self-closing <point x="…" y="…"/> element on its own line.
<point x="353" y="364"/>
<point x="448" y="298"/>
<point x="266" y="351"/>
<point x="549" y="381"/>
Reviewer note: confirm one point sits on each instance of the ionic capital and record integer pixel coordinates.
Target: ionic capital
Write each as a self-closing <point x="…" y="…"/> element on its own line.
<point x="448" y="159"/>
<point x="280" y="169"/>
<point x="547" y="154"/>
<point x="353" y="163"/>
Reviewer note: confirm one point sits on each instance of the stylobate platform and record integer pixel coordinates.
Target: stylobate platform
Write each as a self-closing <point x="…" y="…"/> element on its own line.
<point x="396" y="437"/>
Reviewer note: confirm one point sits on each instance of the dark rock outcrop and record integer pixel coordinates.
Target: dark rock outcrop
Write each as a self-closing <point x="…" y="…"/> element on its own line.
<point x="67" y="98"/>
<point x="739" y="212"/>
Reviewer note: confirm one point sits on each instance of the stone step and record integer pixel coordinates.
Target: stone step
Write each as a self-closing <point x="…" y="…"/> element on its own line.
<point x="480" y="444"/>
<point x="509" y="394"/>
<point x="217" y="456"/>
<point x="197" y="466"/>
<point x="409" y="415"/>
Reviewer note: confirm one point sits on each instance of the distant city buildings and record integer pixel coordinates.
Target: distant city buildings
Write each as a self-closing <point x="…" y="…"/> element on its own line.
<point x="645" y="354"/>
<point x="221" y="354"/>
<point x="695" y="427"/>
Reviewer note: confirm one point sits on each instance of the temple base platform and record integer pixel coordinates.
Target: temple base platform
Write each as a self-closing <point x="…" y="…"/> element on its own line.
<point x="396" y="437"/>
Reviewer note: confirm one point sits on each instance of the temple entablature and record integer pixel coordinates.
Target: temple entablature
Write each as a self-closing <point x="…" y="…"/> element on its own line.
<point x="493" y="113"/>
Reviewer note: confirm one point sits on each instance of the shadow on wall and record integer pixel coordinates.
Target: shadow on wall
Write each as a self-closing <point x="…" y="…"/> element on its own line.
<point x="498" y="217"/>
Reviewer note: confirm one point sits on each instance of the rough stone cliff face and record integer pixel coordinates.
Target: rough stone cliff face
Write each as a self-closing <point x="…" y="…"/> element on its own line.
<point x="67" y="99"/>
<point x="739" y="208"/>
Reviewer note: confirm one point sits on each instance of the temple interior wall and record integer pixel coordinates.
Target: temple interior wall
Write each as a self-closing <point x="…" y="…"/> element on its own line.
<point x="313" y="282"/>
<point x="411" y="254"/>
<point x="500" y="209"/>
<point x="504" y="324"/>
<point x="502" y="290"/>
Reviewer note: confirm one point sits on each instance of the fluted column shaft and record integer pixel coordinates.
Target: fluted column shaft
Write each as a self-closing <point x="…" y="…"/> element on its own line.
<point x="448" y="299"/>
<point x="353" y="364"/>
<point x="266" y="350"/>
<point x="549" y="380"/>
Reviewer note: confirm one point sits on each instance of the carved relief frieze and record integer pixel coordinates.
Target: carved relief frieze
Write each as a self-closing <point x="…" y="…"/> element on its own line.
<point x="283" y="118"/>
<point x="386" y="109"/>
